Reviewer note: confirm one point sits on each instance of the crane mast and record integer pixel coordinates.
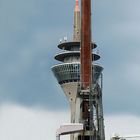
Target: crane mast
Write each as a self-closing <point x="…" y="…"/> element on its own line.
<point x="91" y="92"/>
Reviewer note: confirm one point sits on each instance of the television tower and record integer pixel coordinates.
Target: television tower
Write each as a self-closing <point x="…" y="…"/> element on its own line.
<point x="81" y="78"/>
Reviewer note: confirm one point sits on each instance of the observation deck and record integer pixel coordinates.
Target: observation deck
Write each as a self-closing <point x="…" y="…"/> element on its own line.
<point x="69" y="69"/>
<point x="70" y="72"/>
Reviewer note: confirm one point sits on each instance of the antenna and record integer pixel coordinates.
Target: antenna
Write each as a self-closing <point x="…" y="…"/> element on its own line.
<point x="60" y="41"/>
<point x="65" y="39"/>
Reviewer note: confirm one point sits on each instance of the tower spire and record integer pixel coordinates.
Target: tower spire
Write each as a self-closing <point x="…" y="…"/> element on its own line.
<point x="77" y="5"/>
<point x="76" y="34"/>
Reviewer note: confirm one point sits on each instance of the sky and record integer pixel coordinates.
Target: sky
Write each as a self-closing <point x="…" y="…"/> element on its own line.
<point x="30" y="97"/>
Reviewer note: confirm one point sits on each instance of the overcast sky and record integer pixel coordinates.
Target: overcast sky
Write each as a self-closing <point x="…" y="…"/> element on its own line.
<point x="29" y="34"/>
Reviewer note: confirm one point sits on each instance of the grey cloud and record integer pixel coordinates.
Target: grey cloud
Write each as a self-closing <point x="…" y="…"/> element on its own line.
<point x="30" y="31"/>
<point x="27" y="47"/>
<point x="116" y="31"/>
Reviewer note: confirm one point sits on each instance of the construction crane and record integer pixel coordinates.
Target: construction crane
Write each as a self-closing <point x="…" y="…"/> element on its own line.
<point x="117" y="137"/>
